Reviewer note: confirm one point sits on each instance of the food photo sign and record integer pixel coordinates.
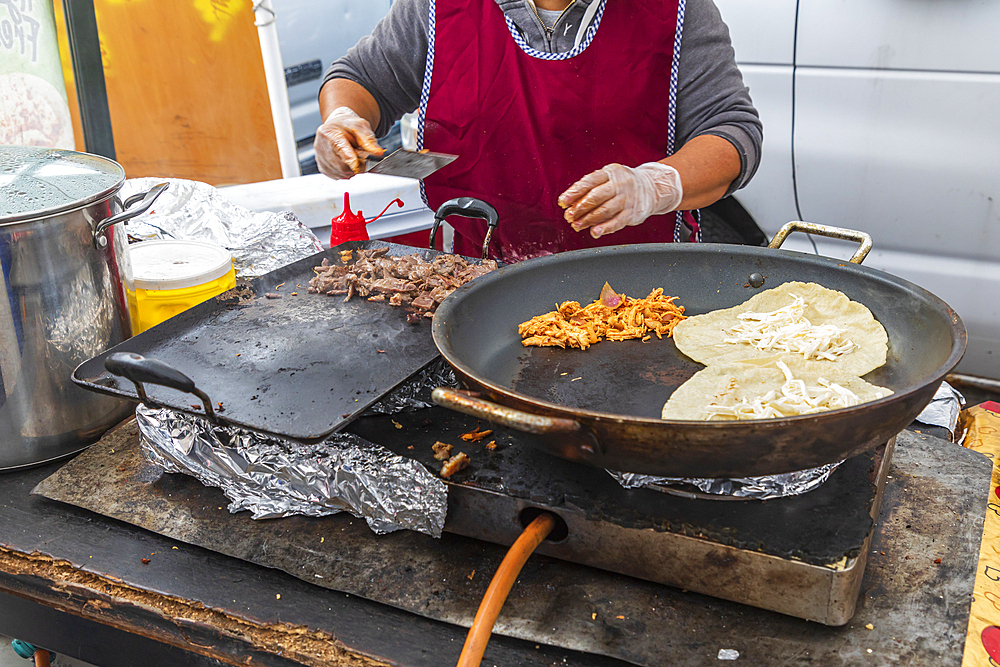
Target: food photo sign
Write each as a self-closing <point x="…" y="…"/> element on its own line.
<point x="33" y="107"/>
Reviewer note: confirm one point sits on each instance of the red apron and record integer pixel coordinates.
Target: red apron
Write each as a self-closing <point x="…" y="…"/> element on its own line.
<point x="526" y="124"/>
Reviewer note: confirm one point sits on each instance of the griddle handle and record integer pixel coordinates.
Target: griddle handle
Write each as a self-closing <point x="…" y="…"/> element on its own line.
<point x="139" y="369"/>
<point x="863" y="239"/>
<point x="468" y="207"/>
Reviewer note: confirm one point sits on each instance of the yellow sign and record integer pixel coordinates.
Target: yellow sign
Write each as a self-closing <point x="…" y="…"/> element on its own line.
<point x="33" y="106"/>
<point x="218" y="14"/>
<point x="982" y="643"/>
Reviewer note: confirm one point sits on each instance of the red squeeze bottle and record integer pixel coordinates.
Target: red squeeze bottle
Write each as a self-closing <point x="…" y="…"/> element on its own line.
<point x="350" y="226"/>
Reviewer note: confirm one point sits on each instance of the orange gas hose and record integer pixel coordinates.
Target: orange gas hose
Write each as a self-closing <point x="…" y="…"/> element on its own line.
<point x="503" y="581"/>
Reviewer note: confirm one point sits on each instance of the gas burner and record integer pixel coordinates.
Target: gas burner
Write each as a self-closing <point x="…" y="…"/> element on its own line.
<point x="801" y="555"/>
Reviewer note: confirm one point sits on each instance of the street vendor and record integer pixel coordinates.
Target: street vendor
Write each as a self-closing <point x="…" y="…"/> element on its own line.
<point x="583" y="122"/>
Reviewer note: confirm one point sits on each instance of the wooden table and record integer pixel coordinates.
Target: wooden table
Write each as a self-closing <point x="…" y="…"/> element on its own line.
<point x="113" y="594"/>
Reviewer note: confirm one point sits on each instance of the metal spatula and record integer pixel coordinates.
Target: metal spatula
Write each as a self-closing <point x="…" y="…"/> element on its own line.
<point x="411" y="164"/>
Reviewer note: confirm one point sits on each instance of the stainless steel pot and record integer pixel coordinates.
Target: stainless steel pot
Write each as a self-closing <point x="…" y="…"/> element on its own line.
<point x="63" y="296"/>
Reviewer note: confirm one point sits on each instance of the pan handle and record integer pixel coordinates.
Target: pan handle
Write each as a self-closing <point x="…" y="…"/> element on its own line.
<point x="467" y="207"/>
<point x="139" y="369"/>
<point x="824" y="230"/>
<point x="466" y="403"/>
<point x="144" y="199"/>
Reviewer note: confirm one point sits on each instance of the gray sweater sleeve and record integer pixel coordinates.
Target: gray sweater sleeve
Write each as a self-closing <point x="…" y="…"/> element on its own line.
<point x="389" y="63"/>
<point x="712" y="98"/>
<point x="711" y="95"/>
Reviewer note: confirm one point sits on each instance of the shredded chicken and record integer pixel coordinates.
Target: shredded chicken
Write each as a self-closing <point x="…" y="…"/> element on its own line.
<point x="787" y="330"/>
<point x="571" y="325"/>
<point x="795" y="398"/>
<point x="475" y="436"/>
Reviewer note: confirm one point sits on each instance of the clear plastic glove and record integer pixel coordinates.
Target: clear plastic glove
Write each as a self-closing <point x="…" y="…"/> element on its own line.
<point x="617" y="196"/>
<point x="343" y="143"/>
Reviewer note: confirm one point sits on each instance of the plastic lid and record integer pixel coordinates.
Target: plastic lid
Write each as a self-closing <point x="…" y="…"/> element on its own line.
<point x="39" y="182"/>
<point x="164" y="265"/>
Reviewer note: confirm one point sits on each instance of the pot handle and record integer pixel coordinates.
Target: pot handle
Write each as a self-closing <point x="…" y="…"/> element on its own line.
<point x="145" y="200"/>
<point x="824" y="230"/>
<point x="139" y="369"/>
<point x="466" y="403"/>
<point x="467" y="207"/>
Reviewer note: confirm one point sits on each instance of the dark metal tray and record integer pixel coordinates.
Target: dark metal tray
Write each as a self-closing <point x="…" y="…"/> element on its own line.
<point x="298" y="366"/>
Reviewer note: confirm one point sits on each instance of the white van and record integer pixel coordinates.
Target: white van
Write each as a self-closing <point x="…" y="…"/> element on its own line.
<point x="312" y="34"/>
<point x="883" y="117"/>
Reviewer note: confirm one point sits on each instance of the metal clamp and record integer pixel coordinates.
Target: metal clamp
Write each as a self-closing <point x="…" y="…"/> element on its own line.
<point x="468" y="207"/>
<point x="259" y="4"/>
<point x="823" y="230"/>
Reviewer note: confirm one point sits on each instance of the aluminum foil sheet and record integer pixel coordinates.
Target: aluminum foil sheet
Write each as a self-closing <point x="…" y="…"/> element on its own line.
<point x="755" y="488"/>
<point x="273" y="478"/>
<point x="193" y="211"/>
<point x="944" y="408"/>
<point x="415" y="394"/>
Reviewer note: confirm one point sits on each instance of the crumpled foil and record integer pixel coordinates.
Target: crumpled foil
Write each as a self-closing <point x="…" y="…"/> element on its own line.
<point x="756" y="488"/>
<point x="260" y="242"/>
<point x="415" y="394"/>
<point x="273" y="477"/>
<point x="944" y="408"/>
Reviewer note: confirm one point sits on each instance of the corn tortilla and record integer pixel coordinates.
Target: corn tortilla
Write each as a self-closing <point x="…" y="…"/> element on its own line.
<point x="701" y="337"/>
<point x="728" y="385"/>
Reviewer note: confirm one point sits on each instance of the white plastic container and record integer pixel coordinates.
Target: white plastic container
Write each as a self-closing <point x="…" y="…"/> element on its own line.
<point x="172" y="276"/>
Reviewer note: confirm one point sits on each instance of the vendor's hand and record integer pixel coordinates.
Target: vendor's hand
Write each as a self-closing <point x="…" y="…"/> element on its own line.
<point x="617" y="196"/>
<point x="343" y="143"/>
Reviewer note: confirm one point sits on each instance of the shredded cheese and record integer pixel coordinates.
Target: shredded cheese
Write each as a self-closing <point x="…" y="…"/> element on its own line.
<point x="795" y="398"/>
<point x="787" y="330"/>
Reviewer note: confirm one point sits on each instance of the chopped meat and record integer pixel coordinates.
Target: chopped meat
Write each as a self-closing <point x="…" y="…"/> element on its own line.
<point x="454" y="464"/>
<point x="406" y="280"/>
<point x="423" y="301"/>
<point x="393" y="285"/>
<point x="442" y="450"/>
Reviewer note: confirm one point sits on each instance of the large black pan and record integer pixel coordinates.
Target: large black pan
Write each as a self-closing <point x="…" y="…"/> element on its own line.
<point x="601" y="406"/>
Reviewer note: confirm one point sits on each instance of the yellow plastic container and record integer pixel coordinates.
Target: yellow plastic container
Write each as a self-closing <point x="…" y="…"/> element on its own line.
<point x="172" y="276"/>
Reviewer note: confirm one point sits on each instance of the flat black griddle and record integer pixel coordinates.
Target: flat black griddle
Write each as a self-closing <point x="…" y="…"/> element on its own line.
<point x="297" y="366"/>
